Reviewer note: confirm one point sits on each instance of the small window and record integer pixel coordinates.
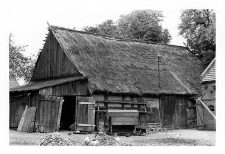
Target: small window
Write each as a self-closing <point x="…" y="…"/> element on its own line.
<point x="211" y="107"/>
<point x="206" y="86"/>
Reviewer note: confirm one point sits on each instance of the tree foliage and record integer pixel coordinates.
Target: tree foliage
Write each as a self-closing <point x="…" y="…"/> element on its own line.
<point x="108" y="28"/>
<point x="20" y="67"/>
<point x="141" y="25"/>
<point x="91" y="29"/>
<point x="198" y="27"/>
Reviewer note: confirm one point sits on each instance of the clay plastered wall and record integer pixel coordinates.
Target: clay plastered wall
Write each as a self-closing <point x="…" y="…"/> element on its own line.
<point x="209" y="98"/>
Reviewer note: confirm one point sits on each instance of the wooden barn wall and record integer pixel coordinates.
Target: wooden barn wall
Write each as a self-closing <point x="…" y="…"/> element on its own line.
<point x="53" y="62"/>
<point x="16" y="109"/>
<point x="75" y="88"/>
<point x="47" y="114"/>
<point x="174" y="111"/>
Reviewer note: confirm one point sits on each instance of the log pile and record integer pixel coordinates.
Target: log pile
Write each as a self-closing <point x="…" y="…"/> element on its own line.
<point x="154" y="128"/>
<point x="101" y="139"/>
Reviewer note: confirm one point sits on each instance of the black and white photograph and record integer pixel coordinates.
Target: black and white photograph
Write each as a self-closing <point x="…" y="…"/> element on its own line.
<point x="113" y="73"/>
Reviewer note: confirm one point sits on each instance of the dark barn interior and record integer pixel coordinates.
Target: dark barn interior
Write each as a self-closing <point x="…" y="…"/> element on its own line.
<point x="68" y="112"/>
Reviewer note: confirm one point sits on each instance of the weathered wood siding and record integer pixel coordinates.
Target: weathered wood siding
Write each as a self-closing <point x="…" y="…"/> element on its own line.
<point x="153" y="110"/>
<point x="174" y="111"/>
<point x="48" y="109"/>
<point x="85" y="114"/>
<point x="75" y="88"/>
<point x="53" y="62"/>
<point x="16" y="109"/>
<point x="47" y="115"/>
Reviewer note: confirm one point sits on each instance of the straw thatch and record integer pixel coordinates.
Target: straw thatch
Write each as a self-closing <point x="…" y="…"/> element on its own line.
<point x="130" y="67"/>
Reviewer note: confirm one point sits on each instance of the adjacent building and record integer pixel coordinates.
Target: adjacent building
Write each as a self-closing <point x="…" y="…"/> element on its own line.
<point x="208" y="77"/>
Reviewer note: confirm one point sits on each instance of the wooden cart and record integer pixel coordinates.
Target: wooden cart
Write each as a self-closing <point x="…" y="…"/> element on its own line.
<point x="121" y="116"/>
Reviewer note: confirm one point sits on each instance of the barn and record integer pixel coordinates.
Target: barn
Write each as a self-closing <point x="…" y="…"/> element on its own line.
<point x="205" y="120"/>
<point x="90" y="80"/>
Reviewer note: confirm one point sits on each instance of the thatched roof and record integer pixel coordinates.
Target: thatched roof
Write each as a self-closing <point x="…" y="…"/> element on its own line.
<point x="119" y="66"/>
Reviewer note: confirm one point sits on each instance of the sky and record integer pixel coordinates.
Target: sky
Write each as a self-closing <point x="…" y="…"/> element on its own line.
<point x="29" y="18"/>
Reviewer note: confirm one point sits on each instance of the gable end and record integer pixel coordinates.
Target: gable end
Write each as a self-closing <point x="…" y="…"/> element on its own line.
<point x="53" y="62"/>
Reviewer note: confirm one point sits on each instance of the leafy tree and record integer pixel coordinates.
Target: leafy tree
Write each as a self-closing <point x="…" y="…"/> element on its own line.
<point x="91" y="29"/>
<point x="19" y="66"/>
<point x="108" y="28"/>
<point x="198" y="27"/>
<point x="141" y="25"/>
<point x="165" y="36"/>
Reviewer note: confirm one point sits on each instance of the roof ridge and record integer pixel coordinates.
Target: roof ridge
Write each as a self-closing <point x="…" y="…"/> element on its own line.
<point x="104" y="36"/>
<point x="114" y="38"/>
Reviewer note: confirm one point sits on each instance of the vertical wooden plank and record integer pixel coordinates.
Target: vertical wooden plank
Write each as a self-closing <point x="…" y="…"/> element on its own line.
<point x="200" y="115"/>
<point x="162" y="110"/>
<point x="22" y="119"/>
<point x="160" y="120"/>
<point x="106" y="103"/>
<point x="76" y="112"/>
<point x="59" y="113"/>
<point x="29" y="120"/>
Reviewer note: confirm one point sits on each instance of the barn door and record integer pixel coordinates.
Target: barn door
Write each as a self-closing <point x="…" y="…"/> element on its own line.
<point x="174" y="111"/>
<point x="200" y="116"/>
<point x="49" y="113"/>
<point x="180" y="116"/>
<point x="168" y="111"/>
<point x="85" y="114"/>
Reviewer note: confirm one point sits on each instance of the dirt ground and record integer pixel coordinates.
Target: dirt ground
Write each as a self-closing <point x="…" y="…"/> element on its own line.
<point x="183" y="137"/>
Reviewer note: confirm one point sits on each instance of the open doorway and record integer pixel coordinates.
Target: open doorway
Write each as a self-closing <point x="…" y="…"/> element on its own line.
<point x="68" y="112"/>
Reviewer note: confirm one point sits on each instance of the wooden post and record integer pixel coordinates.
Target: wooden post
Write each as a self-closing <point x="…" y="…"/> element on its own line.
<point x="160" y="110"/>
<point x="158" y="71"/>
<point x="122" y="101"/>
<point x="76" y="113"/>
